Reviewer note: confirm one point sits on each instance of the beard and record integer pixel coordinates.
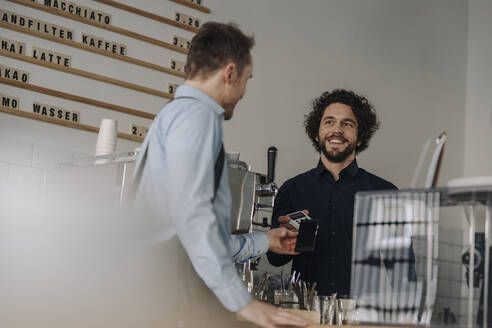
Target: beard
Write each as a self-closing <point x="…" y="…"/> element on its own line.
<point x="227" y="115"/>
<point x="338" y="156"/>
<point x="229" y="110"/>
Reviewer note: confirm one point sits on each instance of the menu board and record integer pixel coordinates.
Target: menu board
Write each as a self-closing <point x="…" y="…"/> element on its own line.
<point x="108" y="64"/>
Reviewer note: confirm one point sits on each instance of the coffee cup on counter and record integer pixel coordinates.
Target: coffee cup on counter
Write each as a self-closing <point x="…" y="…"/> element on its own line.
<point x="345" y="311"/>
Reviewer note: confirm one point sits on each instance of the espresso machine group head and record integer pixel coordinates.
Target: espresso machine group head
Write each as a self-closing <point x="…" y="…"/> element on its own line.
<point x="267" y="187"/>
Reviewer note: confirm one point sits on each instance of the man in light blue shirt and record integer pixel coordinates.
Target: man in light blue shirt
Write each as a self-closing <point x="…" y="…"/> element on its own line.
<point x="183" y="181"/>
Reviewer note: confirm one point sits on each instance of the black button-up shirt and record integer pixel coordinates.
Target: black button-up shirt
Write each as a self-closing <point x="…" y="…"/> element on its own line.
<point x="332" y="204"/>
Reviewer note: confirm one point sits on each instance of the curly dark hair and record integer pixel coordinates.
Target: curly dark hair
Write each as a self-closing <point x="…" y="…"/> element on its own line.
<point x="363" y="110"/>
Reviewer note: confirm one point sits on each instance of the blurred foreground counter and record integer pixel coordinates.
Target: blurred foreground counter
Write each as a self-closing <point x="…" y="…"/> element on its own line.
<point x="411" y="250"/>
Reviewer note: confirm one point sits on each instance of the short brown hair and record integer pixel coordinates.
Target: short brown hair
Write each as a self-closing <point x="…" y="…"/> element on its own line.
<point x="214" y="46"/>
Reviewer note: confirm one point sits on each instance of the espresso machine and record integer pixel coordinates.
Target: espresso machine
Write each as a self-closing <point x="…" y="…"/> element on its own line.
<point x="251" y="192"/>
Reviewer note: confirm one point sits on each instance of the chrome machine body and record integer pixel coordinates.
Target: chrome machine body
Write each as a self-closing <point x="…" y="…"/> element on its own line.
<point x="250" y="193"/>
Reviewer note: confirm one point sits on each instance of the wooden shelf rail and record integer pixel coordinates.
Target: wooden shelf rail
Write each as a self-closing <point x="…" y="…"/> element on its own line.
<point x="147" y="14"/>
<point x="91" y="49"/>
<point x="68" y="96"/>
<point x="108" y="27"/>
<point x="191" y="5"/>
<point x="88" y="75"/>
<point x="83" y="127"/>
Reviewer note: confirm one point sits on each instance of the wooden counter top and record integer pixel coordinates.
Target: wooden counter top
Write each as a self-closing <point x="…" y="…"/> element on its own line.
<point x="314" y="316"/>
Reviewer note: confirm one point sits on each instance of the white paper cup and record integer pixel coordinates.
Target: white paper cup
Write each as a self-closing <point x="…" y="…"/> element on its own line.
<point x="105" y="151"/>
<point x="232" y="156"/>
<point x="106" y="138"/>
<point x="104" y="144"/>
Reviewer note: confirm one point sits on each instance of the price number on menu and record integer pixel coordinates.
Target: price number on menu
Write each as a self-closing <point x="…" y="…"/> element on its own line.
<point x="186" y="19"/>
<point x="171" y="88"/>
<point x="139" y="130"/>
<point x="181" y="42"/>
<point x="176" y="65"/>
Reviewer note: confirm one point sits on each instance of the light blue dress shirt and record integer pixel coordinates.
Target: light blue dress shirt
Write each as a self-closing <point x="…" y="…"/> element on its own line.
<point x="176" y="166"/>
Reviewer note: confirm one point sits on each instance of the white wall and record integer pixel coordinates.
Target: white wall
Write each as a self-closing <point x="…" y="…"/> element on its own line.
<point x="407" y="57"/>
<point x="478" y="127"/>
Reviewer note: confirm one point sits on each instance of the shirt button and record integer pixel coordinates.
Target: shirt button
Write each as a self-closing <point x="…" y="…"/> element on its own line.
<point x="333" y="232"/>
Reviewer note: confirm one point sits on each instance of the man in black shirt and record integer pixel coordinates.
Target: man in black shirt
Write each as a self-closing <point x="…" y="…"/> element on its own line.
<point x="340" y="125"/>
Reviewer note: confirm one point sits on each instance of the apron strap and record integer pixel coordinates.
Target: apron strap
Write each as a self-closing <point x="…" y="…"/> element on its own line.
<point x="219" y="165"/>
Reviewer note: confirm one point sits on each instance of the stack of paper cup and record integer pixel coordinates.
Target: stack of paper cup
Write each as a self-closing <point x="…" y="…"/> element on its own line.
<point x="232" y="156"/>
<point x="106" y="139"/>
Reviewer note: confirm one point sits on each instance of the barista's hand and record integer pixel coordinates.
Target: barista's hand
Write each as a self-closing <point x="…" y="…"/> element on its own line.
<point x="282" y="241"/>
<point x="268" y="316"/>
<point x="284" y="221"/>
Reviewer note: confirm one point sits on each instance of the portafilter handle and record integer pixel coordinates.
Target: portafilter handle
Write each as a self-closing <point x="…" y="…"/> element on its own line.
<point x="271" y="158"/>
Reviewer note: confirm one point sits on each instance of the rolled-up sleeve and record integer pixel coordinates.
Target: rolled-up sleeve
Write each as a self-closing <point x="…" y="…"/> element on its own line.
<point x="248" y="246"/>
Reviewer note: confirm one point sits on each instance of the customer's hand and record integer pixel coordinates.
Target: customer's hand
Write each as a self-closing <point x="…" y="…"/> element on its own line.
<point x="282" y="240"/>
<point x="268" y="316"/>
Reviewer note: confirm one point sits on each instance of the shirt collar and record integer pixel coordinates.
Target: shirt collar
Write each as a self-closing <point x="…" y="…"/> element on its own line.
<point x="187" y="91"/>
<point x="351" y="169"/>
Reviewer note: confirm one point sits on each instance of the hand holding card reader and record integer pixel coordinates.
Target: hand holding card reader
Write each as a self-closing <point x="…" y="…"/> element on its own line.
<point x="297" y="217"/>
<point x="308" y="231"/>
